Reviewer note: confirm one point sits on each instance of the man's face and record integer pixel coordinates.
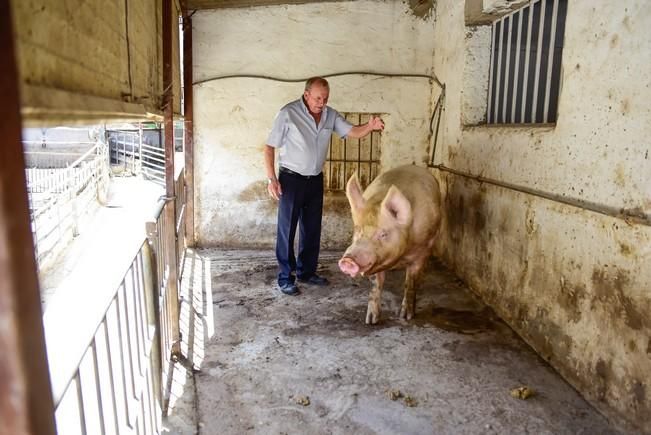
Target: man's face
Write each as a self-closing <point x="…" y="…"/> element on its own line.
<point x="316" y="98"/>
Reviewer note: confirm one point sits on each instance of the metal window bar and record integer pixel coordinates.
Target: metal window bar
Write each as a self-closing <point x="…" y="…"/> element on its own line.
<point x="348" y="156"/>
<point x="525" y="63"/>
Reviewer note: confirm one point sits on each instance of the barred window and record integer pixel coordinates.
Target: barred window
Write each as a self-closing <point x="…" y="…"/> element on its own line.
<point x="348" y="156"/>
<point x="525" y="66"/>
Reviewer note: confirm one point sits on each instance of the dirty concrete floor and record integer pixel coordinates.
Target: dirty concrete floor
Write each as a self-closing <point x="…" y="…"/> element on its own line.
<point x="308" y="364"/>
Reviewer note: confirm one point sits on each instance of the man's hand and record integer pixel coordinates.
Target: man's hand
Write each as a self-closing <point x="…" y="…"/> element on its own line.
<point x="375" y="123"/>
<point x="362" y="130"/>
<point x="274" y="189"/>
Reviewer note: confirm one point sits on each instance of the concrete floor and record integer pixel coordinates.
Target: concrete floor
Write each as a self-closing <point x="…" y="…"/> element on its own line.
<point x="308" y="364"/>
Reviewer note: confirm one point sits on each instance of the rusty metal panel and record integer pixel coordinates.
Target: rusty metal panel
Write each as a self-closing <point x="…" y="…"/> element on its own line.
<point x="352" y="156"/>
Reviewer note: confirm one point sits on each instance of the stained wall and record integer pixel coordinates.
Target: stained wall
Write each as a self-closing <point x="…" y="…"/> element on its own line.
<point x="573" y="282"/>
<point x="233" y="116"/>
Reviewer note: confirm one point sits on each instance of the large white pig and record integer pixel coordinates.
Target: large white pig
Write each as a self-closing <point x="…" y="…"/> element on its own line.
<point x="396" y="221"/>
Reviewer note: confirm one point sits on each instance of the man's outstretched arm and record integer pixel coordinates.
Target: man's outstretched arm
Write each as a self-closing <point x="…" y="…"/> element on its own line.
<point x="373" y="124"/>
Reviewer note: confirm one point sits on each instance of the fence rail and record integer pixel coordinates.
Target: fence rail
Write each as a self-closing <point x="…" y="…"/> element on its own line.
<point x="130" y="151"/>
<point x="113" y="365"/>
<point x="58" y="199"/>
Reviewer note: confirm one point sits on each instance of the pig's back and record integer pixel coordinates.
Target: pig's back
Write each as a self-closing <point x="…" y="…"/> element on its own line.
<point x="421" y="189"/>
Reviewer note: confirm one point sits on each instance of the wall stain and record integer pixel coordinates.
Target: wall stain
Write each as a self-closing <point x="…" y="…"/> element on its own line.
<point x="614" y="40"/>
<point x="620" y="175"/>
<point x="255" y="191"/>
<point x="625" y="106"/>
<point x="604" y="376"/>
<point x="422" y="8"/>
<point x="569" y="298"/>
<point x="610" y="288"/>
<point x="548" y="338"/>
<point x="639" y="392"/>
<point x="625" y="249"/>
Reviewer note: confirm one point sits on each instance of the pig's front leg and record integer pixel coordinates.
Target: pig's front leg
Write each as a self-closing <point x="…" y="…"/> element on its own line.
<point x="374" y="299"/>
<point x="411" y="280"/>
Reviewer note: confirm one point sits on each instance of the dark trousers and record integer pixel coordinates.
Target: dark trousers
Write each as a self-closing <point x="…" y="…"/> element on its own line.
<point x="301" y="203"/>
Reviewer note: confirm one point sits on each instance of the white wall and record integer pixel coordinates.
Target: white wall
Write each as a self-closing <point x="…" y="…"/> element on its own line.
<point x="233" y="116"/>
<point x="574" y="283"/>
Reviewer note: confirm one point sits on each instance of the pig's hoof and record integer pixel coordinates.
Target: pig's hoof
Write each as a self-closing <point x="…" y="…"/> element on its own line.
<point x="406" y="313"/>
<point x="372" y="315"/>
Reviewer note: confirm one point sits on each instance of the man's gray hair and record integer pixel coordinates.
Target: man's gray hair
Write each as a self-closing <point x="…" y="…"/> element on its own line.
<point x="316" y="81"/>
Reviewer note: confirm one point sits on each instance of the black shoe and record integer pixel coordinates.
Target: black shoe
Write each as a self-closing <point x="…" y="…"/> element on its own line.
<point x="315" y="280"/>
<point x="289" y="289"/>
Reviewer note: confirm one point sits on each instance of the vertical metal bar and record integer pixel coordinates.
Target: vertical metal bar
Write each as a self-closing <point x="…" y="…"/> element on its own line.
<point x="499" y="69"/>
<point x="123" y="356"/>
<point x="516" y="70"/>
<point x="536" y="79"/>
<point x="110" y="374"/>
<point x="507" y="47"/>
<point x="137" y="327"/>
<point x="359" y="151"/>
<point x="80" y="404"/>
<point x="489" y="112"/>
<point x="550" y="62"/>
<point x="153" y="307"/>
<point x="140" y="144"/>
<point x="525" y="75"/>
<point x="98" y="388"/>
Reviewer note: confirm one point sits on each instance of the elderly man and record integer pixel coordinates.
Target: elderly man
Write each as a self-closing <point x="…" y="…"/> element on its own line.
<point x="301" y="132"/>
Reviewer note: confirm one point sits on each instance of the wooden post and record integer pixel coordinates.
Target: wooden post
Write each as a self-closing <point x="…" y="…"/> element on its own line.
<point x="188" y="116"/>
<point x="169" y="210"/>
<point x="26" y="405"/>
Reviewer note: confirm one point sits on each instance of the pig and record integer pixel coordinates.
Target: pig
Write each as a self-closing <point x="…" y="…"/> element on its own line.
<point x="396" y="221"/>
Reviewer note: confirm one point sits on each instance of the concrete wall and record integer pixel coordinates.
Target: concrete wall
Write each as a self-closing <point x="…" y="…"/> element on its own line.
<point x="574" y="283"/>
<point x="233" y="116"/>
<point x="91" y="60"/>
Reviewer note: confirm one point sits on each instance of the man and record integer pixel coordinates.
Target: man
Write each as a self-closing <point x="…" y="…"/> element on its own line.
<point x="301" y="132"/>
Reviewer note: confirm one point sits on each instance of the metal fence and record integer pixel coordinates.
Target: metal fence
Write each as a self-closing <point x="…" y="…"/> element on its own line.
<point x="138" y="150"/>
<point x="60" y="197"/>
<point x="112" y="373"/>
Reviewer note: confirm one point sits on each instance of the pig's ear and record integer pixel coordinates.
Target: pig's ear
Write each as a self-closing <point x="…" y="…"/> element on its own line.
<point x="354" y="194"/>
<point x="396" y="207"/>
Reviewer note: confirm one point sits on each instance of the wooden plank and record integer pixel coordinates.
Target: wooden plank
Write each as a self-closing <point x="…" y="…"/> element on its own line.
<point x="26" y="405"/>
<point x="48" y="106"/>
<point x="220" y="4"/>
<point x="189" y="132"/>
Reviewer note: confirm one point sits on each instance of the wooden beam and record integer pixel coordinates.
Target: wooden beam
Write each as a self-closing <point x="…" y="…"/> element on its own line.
<point x="223" y="4"/>
<point x="43" y="106"/>
<point x="169" y="20"/>
<point x="188" y="101"/>
<point x="26" y="405"/>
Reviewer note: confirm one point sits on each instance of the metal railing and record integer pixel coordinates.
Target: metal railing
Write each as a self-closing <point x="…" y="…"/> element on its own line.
<point x="137" y="151"/>
<point x="60" y="197"/>
<point x="111" y="366"/>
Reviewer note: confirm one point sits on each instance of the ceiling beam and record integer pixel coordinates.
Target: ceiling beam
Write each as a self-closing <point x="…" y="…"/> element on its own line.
<point x="224" y="4"/>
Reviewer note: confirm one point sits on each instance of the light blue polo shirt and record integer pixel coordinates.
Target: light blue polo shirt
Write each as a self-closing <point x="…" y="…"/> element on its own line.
<point x="302" y="147"/>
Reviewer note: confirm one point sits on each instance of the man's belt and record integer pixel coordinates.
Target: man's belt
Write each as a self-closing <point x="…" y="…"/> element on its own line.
<point x="296" y="174"/>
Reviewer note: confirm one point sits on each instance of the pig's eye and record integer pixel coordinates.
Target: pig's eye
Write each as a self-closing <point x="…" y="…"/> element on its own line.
<point x="382" y="235"/>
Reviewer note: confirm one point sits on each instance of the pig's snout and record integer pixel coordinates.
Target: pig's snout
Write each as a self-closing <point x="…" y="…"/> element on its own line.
<point x="349" y="267"/>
